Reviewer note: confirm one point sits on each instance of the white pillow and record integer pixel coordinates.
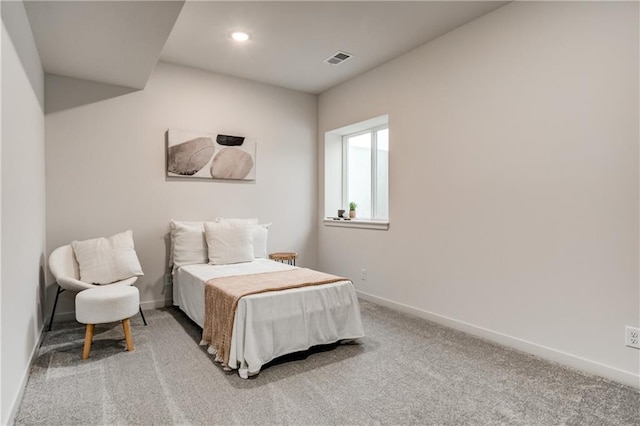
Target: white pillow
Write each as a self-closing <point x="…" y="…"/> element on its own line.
<point x="106" y="260"/>
<point x="188" y="244"/>
<point x="229" y="242"/>
<point x="260" y="234"/>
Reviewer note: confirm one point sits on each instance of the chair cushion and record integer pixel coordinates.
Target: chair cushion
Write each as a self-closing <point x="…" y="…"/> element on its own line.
<point x="107" y="304"/>
<point x="106" y="260"/>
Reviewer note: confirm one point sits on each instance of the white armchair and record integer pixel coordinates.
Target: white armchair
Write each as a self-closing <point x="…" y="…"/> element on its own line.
<point x="65" y="269"/>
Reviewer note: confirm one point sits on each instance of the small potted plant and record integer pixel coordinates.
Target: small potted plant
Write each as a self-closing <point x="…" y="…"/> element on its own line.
<point x="352" y="209"/>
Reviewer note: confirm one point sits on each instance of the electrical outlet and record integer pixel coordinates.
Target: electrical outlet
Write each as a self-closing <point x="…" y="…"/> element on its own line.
<point x="632" y="337"/>
<point x="363" y="274"/>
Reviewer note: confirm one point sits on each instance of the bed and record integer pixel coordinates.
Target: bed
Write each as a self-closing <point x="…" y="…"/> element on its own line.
<point x="274" y="323"/>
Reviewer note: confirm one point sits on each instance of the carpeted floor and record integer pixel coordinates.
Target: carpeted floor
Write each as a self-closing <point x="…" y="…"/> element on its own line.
<point x="405" y="371"/>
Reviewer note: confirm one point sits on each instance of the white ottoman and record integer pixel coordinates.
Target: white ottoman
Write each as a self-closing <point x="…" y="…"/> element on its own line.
<point x="107" y="304"/>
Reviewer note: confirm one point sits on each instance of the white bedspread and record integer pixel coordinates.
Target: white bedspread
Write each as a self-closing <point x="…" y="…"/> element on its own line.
<point x="271" y="324"/>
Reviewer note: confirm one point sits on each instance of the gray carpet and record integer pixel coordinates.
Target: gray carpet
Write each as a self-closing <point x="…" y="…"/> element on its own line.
<point x="405" y="371"/>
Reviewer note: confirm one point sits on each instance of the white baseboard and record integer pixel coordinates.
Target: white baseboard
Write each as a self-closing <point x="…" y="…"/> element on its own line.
<point x="593" y="367"/>
<point x="64" y="316"/>
<point x="15" y="404"/>
<point x="155" y="304"/>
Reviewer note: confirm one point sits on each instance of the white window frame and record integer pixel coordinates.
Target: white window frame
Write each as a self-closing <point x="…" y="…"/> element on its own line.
<point x="373" y="131"/>
<point x="335" y="191"/>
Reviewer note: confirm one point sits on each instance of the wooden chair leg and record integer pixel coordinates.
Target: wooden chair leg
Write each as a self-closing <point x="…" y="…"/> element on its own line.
<point x="127" y="334"/>
<point x="88" y="337"/>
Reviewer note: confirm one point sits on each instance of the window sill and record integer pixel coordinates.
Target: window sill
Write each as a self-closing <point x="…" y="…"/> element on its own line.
<point x="382" y="225"/>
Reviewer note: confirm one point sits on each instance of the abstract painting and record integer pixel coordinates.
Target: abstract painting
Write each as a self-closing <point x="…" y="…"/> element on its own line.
<point x="210" y="155"/>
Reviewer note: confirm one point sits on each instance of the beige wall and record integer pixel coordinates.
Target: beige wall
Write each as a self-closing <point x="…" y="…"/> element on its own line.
<point x="106" y="164"/>
<point x="23" y="204"/>
<point x="514" y="186"/>
<point x="514" y="181"/>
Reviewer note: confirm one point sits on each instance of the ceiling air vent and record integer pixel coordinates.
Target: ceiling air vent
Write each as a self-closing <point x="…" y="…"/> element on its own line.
<point x="338" y="58"/>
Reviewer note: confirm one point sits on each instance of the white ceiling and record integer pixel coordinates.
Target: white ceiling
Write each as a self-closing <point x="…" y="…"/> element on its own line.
<point x="290" y="40"/>
<point x="119" y="42"/>
<point x="115" y="42"/>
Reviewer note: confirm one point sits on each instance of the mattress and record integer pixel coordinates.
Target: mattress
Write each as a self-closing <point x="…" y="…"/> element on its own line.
<point x="272" y="324"/>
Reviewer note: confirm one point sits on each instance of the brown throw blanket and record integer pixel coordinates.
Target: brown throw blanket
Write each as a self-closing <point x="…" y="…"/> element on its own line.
<point x="221" y="297"/>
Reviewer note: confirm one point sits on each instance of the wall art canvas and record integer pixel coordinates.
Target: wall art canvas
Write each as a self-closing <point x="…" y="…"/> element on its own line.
<point x="210" y="155"/>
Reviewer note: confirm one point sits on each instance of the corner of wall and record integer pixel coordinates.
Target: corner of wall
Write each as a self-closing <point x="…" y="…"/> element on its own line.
<point x="22" y="230"/>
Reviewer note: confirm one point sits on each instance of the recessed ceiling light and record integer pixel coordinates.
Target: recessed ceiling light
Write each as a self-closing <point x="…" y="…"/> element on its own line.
<point x="240" y="36"/>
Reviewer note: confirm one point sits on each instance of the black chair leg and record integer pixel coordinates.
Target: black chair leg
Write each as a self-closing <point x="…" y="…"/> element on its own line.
<point x="55" y="303"/>
<point x="142" y="315"/>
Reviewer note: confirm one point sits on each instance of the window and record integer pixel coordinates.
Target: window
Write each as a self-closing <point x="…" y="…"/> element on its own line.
<point x="357" y="170"/>
<point x="366" y="172"/>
